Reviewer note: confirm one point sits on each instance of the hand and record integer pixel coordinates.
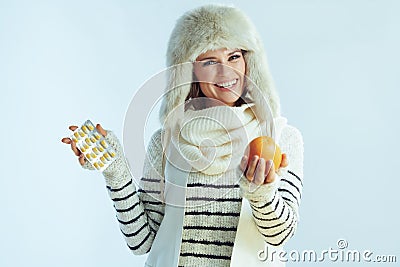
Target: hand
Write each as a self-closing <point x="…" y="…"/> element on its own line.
<point x="260" y="171"/>
<point x="77" y="152"/>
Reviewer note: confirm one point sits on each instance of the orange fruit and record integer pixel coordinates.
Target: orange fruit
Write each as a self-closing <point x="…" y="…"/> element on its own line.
<point x="264" y="147"/>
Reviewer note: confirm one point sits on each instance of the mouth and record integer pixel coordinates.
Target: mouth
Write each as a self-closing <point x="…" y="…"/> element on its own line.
<point x="228" y="85"/>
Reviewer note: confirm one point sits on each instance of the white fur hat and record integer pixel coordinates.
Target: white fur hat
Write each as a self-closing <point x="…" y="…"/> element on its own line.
<point x="212" y="27"/>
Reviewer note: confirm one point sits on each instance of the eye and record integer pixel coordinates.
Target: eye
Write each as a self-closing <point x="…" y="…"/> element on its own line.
<point x="234" y="57"/>
<point x="208" y="63"/>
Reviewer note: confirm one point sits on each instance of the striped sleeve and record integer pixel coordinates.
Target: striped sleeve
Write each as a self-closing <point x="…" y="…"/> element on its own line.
<point x="151" y="184"/>
<point x="275" y="206"/>
<point x="139" y="210"/>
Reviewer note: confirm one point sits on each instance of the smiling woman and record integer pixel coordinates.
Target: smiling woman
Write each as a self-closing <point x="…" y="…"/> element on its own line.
<point x="220" y="75"/>
<point x="201" y="201"/>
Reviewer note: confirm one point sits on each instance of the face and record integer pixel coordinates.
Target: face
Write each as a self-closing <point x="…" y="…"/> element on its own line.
<point x="221" y="74"/>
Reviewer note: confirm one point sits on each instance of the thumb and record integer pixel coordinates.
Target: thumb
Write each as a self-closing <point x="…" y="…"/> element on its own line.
<point x="285" y="161"/>
<point x="101" y="130"/>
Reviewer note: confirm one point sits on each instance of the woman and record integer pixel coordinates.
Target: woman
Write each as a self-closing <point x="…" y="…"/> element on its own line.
<point x="200" y="201"/>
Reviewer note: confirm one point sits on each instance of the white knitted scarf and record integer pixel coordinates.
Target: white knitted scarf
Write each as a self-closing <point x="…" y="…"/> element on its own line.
<point x="214" y="139"/>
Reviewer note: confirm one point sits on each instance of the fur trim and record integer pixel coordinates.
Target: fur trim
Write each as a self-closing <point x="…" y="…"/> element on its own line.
<point x="212" y="27"/>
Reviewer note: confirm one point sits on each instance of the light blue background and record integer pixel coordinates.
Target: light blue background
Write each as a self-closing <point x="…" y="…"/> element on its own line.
<point x="335" y="64"/>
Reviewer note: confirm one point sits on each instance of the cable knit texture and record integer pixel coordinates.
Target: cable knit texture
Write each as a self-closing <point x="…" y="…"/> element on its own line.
<point x="213" y="203"/>
<point x="214" y="139"/>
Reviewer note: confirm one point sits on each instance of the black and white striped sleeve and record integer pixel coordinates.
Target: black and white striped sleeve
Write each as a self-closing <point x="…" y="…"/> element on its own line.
<point x="275" y="206"/>
<point x="139" y="210"/>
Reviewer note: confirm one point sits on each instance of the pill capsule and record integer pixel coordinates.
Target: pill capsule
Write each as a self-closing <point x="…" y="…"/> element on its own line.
<point x="112" y="154"/>
<point x="76" y="135"/>
<point x="96" y="165"/>
<point x="85" y="146"/>
<point x="101" y="164"/>
<point x="85" y="129"/>
<point x="95" y="150"/>
<point x="93" y="155"/>
<point x="107" y="156"/>
<point x="92" y="139"/>
<point x="75" y="140"/>
<point x="101" y="149"/>
<point x="103" y="143"/>
<point x="87" y="141"/>
<point x="82" y="134"/>
<point x="103" y="159"/>
<point x="97" y="136"/>
<point x="90" y="126"/>
<point x="88" y="156"/>
<point x="82" y="149"/>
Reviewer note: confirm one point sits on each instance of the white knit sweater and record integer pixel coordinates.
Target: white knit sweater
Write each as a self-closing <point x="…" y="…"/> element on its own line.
<point x="209" y="230"/>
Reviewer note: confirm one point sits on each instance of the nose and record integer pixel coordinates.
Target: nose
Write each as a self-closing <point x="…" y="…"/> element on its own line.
<point x="223" y="70"/>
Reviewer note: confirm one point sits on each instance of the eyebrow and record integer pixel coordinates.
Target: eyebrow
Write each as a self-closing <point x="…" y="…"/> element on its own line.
<point x="231" y="53"/>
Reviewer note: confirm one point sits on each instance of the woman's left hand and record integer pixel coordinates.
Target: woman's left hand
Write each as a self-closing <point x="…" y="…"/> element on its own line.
<point x="260" y="171"/>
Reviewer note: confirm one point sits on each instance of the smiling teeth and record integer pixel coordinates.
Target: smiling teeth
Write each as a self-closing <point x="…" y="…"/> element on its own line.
<point x="227" y="84"/>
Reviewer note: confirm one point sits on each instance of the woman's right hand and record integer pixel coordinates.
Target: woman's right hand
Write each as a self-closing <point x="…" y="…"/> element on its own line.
<point x="77" y="152"/>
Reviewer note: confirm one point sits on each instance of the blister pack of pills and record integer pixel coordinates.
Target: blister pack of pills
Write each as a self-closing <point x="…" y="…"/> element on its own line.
<point x="94" y="146"/>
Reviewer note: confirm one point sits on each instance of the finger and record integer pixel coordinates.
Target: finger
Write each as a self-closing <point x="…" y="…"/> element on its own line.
<point x="270" y="172"/>
<point x="73" y="127"/>
<point x="284" y="162"/>
<point x="260" y="172"/>
<point x="101" y="130"/>
<point x="81" y="159"/>
<point x="243" y="163"/>
<point x="251" y="169"/>
<point x="73" y="147"/>
<point x="66" y="140"/>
